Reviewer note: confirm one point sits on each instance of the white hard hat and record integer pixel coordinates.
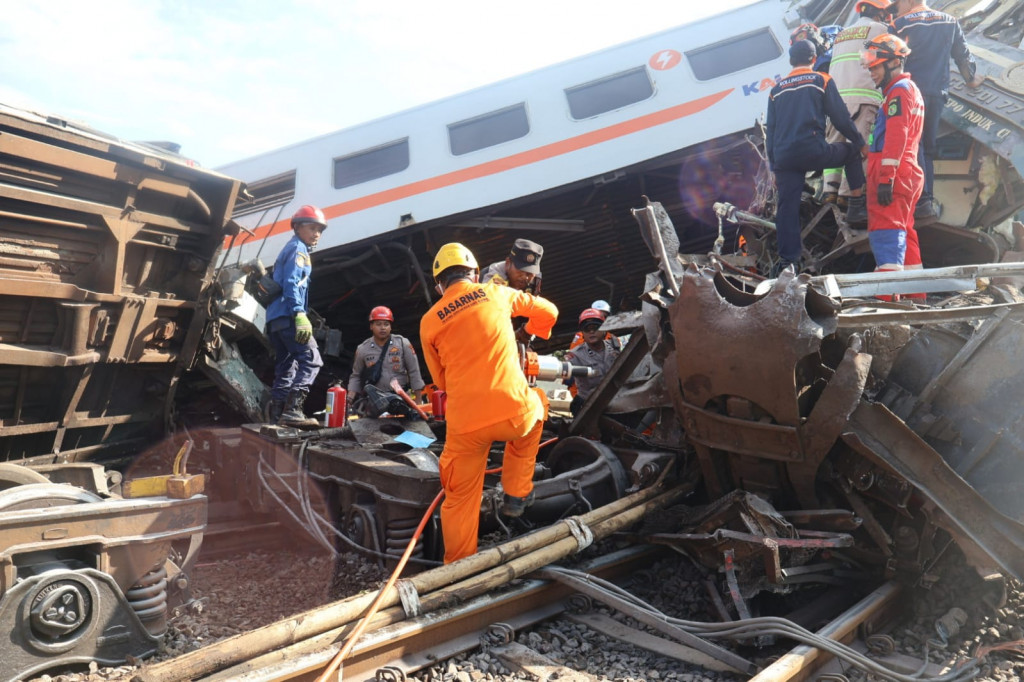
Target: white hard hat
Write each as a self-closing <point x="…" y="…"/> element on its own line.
<point x="602" y="306"/>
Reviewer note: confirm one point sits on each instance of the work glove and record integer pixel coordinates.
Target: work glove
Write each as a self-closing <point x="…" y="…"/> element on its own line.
<point x="884" y="193"/>
<point x="303" y="328"/>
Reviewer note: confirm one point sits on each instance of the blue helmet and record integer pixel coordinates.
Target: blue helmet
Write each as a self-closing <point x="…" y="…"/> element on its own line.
<point x="829" y="33"/>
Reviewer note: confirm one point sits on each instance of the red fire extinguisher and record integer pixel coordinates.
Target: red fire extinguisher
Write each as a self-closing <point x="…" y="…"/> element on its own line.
<point x="439" y="404"/>
<point x="336" y="399"/>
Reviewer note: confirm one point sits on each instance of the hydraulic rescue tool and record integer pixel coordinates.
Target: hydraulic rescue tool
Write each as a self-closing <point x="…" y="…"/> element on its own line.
<point x="548" y="367"/>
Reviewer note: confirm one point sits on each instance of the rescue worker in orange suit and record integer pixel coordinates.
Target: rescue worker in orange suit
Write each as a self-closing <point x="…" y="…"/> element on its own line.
<point x="520" y="269"/>
<point x="598" y="353"/>
<point x="383" y="357"/>
<point x="798" y="107"/>
<point x="933" y="38"/>
<point x="859" y="93"/>
<point x="895" y="179"/>
<point x="471" y="352"/>
<point x="297" y="358"/>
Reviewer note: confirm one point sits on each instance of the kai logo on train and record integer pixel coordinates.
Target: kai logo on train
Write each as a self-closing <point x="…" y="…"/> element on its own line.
<point x="764" y="85"/>
<point x="664" y="60"/>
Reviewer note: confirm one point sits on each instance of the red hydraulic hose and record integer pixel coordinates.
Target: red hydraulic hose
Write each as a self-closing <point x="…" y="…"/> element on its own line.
<point x="405" y="396"/>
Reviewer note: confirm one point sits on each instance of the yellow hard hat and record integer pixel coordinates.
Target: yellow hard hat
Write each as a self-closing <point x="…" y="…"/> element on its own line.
<point x="453" y="254"/>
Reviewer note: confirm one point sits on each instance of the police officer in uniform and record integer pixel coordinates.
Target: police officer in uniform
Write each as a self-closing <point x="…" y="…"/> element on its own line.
<point x="597" y="352"/>
<point x="520" y="270"/>
<point x="383" y="357"/>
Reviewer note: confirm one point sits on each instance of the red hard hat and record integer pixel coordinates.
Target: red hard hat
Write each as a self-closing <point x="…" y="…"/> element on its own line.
<point x="591" y="314"/>
<point x="309" y="214"/>
<point x="381" y="313"/>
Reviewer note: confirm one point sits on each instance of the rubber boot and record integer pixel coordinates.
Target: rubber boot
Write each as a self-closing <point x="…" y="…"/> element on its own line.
<point x="857" y="211"/>
<point x="274" y="410"/>
<point x="293" y="415"/>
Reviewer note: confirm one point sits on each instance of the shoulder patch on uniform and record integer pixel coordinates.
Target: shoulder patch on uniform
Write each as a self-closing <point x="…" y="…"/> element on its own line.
<point x="301" y="259"/>
<point x="894" y="108"/>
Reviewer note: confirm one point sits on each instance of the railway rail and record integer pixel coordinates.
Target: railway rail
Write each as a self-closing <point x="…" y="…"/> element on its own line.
<point x="520" y="590"/>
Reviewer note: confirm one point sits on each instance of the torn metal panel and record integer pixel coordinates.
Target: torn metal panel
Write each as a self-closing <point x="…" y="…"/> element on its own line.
<point x="742" y="533"/>
<point x="788" y="324"/>
<point x="878" y="434"/>
<point x="958" y="389"/>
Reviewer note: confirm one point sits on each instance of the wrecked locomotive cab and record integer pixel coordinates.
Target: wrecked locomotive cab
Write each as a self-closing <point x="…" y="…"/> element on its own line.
<point x="86" y="574"/>
<point x="778" y="397"/>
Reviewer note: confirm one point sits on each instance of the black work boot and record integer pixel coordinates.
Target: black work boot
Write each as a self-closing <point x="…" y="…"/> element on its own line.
<point x="927" y="211"/>
<point x="857" y="211"/>
<point x="515" y="506"/>
<point x="781" y="265"/>
<point x="274" y="410"/>
<point x="293" y="415"/>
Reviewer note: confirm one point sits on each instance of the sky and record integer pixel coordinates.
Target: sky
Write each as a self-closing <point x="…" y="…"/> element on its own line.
<point x="230" y="79"/>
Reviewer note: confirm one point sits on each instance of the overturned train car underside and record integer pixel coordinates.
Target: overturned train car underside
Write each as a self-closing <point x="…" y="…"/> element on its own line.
<point x="107" y="253"/>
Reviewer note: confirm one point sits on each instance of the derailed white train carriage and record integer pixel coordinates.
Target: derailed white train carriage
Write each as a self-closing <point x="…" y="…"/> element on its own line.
<point x="569" y="122"/>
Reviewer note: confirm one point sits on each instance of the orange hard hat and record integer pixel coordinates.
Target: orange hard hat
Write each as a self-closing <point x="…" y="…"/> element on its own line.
<point x="591" y="314"/>
<point x="309" y="214"/>
<point x="381" y="313"/>
<point x="877" y="4"/>
<point x="883" y="48"/>
<point x="806" y="31"/>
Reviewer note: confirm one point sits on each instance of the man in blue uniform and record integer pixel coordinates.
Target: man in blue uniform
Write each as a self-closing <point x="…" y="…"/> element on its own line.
<point x="934" y="38"/>
<point x="291" y="333"/>
<point x="799" y="107"/>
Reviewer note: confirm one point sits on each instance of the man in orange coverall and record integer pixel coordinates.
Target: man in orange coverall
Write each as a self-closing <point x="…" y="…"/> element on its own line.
<point x="470" y="350"/>
<point x="895" y="180"/>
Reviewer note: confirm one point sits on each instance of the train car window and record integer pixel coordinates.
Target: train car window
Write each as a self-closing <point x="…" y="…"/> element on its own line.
<point x="265" y="194"/>
<point x="735" y="54"/>
<point x="610" y="93"/>
<point x="371" y="164"/>
<point x="488" y="130"/>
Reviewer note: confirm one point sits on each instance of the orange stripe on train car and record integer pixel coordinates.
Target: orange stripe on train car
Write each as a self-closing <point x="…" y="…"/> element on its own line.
<point x="501" y="165"/>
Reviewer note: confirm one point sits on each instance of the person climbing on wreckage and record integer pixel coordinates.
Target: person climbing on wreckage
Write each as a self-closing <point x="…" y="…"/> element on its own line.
<point x="895" y="180"/>
<point x="798" y="107"/>
<point x="859" y="93"/>
<point x="470" y="350"/>
<point x="933" y="38"/>
<point x="297" y="358"/>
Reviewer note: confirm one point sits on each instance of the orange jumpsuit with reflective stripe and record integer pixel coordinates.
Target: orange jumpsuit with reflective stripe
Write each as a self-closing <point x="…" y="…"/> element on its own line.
<point x="470" y="350"/>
